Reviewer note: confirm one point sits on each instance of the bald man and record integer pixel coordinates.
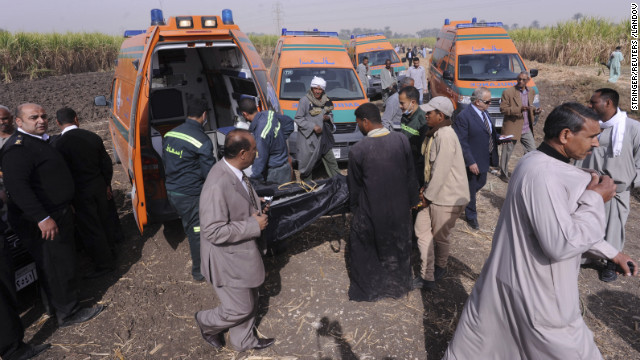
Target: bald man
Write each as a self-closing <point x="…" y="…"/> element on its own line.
<point x="40" y="189"/>
<point x="230" y="223"/>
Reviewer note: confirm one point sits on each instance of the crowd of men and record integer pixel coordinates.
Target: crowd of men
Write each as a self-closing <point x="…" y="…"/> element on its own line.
<point x="525" y="302"/>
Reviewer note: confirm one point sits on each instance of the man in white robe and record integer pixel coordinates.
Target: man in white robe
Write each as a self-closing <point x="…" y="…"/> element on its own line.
<point x="525" y="304"/>
<point x="618" y="157"/>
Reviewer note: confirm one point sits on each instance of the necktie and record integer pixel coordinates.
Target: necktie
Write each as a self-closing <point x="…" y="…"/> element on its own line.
<point x="486" y="124"/>
<point x="250" y="190"/>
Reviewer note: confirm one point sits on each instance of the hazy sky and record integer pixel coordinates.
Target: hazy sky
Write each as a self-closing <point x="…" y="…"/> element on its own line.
<point x="115" y="16"/>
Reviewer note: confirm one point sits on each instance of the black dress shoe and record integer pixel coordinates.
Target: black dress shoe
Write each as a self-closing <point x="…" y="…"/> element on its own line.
<point x="608" y="274"/>
<point x="217" y="340"/>
<point x="473" y="223"/>
<point x="98" y="272"/>
<point x="429" y="285"/>
<point x="417" y="282"/>
<point x="80" y="316"/>
<point x="264" y="343"/>
<point x="439" y="272"/>
<point x="26" y="351"/>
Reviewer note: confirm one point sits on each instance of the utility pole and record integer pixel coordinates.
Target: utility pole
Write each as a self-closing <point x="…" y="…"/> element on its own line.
<point x="277" y="16"/>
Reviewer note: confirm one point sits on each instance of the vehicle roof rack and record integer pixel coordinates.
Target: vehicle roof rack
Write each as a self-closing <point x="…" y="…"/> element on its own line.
<point x="366" y="35"/>
<point x="479" y="24"/>
<point x="315" y="32"/>
<point x="132" y="33"/>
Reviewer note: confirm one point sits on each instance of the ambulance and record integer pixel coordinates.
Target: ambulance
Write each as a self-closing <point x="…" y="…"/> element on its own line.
<point x="157" y="71"/>
<point x="301" y="55"/>
<point x="471" y="54"/>
<point x="378" y="49"/>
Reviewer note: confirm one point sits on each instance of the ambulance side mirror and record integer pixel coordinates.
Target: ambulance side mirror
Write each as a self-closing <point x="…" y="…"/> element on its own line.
<point x="100" y="101"/>
<point x="533" y="72"/>
<point x="447" y="75"/>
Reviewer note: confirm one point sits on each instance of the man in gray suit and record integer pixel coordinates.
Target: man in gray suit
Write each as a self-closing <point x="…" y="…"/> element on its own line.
<point x="230" y="223"/>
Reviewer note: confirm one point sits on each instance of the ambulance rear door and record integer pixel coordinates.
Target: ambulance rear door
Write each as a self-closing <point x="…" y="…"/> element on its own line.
<point x="139" y="106"/>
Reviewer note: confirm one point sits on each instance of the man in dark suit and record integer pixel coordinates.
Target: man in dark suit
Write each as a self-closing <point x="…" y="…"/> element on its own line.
<point x="479" y="140"/>
<point x="12" y="346"/>
<point x="40" y="189"/>
<point x="91" y="168"/>
<point x="230" y="223"/>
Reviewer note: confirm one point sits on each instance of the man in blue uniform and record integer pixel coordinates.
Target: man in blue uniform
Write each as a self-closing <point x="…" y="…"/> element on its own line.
<point x="271" y="131"/>
<point x="187" y="153"/>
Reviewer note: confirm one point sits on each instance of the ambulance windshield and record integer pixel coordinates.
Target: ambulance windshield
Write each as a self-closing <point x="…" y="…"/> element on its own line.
<point x="379" y="57"/>
<point x="489" y="67"/>
<point x="342" y="84"/>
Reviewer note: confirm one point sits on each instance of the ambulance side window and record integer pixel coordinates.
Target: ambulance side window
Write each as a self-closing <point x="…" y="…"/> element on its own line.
<point x="443" y="64"/>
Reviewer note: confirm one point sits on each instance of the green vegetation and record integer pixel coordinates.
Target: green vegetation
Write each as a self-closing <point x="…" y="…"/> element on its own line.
<point x="33" y="54"/>
<point x="586" y="41"/>
<point x="265" y="45"/>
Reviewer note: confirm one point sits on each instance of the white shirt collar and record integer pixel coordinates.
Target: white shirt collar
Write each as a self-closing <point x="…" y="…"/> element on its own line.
<point x="237" y="172"/>
<point x="70" y="127"/>
<point x="44" y="136"/>
<point x="481" y="116"/>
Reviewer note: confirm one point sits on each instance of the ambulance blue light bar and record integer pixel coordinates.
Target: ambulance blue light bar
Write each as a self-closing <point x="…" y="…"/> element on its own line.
<point x="132" y="33"/>
<point x="472" y="25"/>
<point x="227" y="17"/>
<point x="308" y="33"/>
<point x="365" y="35"/>
<point x="156" y="17"/>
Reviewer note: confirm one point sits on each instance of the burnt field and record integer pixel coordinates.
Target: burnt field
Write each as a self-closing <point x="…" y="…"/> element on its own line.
<point x="151" y="299"/>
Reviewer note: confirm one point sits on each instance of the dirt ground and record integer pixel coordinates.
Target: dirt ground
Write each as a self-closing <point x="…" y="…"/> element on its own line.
<point x="151" y="299"/>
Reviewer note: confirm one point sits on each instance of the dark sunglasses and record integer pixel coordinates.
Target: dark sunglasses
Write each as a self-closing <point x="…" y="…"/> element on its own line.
<point x="486" y="102"/>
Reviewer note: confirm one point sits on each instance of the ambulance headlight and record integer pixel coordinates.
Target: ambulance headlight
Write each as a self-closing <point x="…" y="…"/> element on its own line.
<point x="209" y="22"/>
<point x="464" y="100"/>
<point x="184" y="22"/>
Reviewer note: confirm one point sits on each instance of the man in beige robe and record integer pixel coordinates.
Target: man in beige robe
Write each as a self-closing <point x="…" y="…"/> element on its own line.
<point x="525" y="304"/>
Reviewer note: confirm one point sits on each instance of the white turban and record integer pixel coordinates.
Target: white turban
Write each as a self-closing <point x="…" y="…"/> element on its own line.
<point x="318" y="82"/>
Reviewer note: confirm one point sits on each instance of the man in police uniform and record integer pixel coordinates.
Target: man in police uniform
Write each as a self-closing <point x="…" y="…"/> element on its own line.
<point x="413" y="125"/>
<point x="40" y="188"/>
<point x="271" y="131"/>
<point x="188" y="156"/>
<point x="92" y="170"/>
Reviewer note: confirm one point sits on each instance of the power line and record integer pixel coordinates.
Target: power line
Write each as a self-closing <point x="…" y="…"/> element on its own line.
<point x="277" y="16"/>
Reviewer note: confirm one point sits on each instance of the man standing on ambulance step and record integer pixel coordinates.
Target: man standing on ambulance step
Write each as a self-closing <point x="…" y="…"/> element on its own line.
<point x="271" y="131"/>
<point x="187" y="153"/>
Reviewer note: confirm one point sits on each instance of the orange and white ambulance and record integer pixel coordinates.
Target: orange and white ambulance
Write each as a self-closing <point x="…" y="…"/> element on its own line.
<point x="377" y="48"/>
<point x="471" y="54"/>
<point x="157" y="70"/>
<point x="301" y="55"/>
